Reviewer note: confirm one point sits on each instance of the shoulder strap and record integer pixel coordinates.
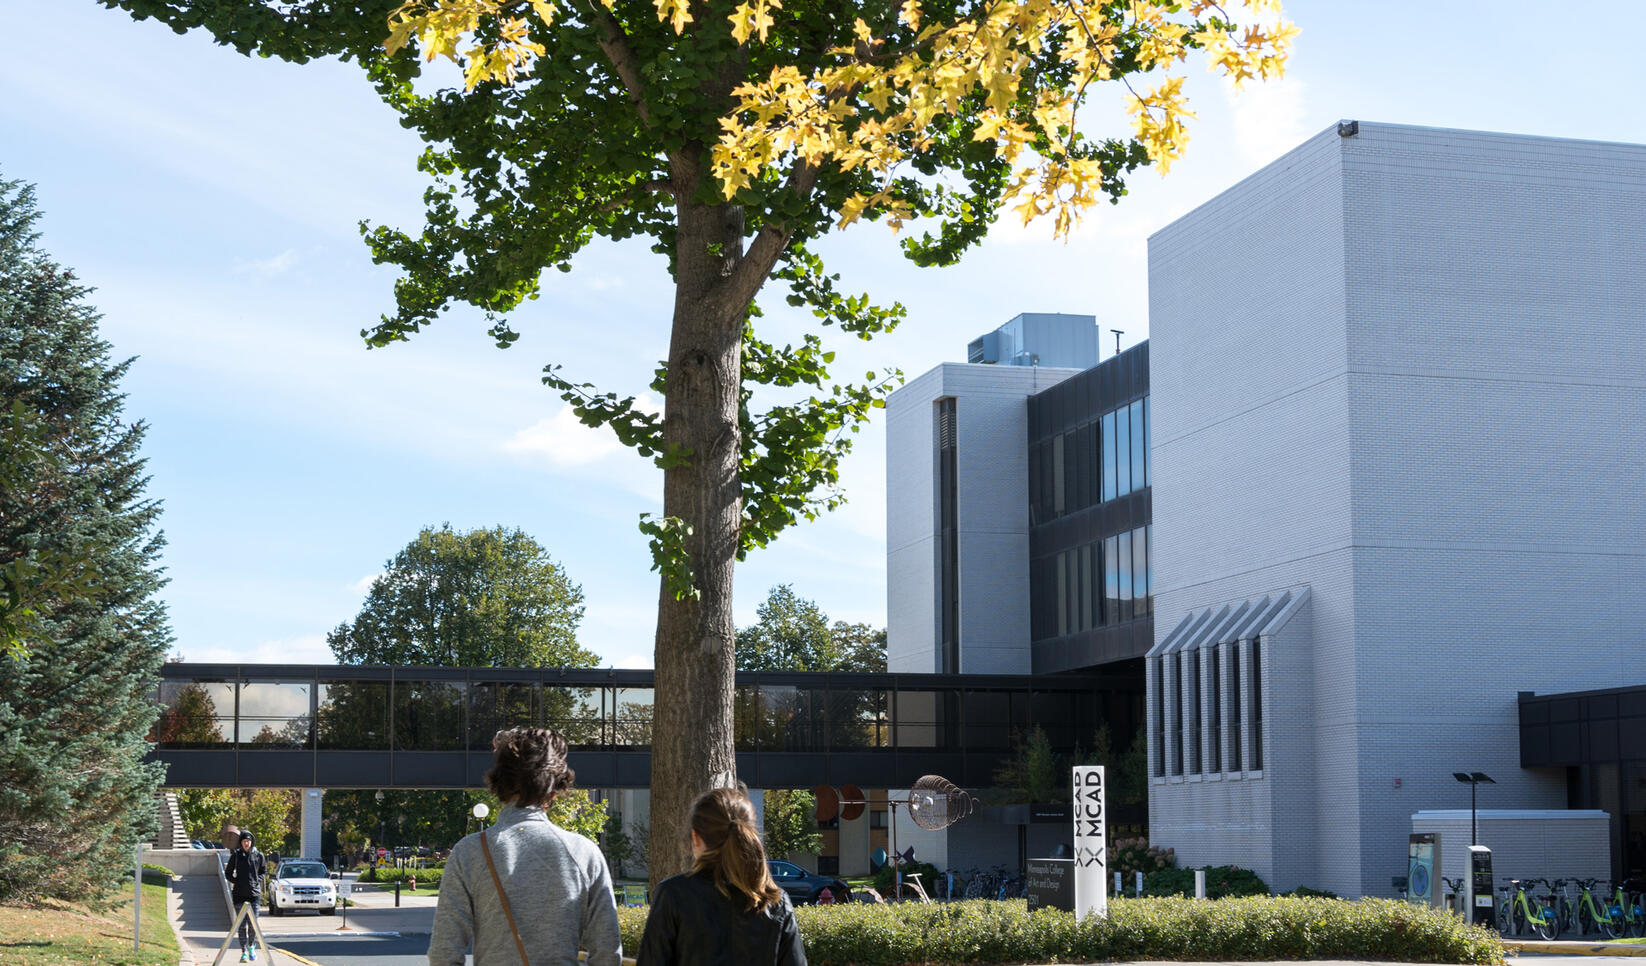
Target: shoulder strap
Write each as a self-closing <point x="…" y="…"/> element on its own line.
<point x="503" y="898"/>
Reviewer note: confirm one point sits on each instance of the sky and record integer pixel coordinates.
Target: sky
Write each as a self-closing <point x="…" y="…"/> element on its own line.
<point x="213" y="201"/>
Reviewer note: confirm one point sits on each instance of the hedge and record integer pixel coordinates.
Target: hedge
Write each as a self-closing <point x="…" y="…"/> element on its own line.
<point x="1257" y="928"/>
<point x="387" y="875"/>
<point x="1222" y="882"/>
<point x="156" y="874"/>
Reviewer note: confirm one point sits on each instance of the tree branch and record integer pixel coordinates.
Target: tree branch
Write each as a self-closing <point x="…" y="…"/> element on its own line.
<point x="740" y="287"/>
<point x="615" y="44"/>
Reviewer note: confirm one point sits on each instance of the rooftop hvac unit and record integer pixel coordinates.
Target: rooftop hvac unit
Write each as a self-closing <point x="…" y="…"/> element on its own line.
<point x="984" y="349"/>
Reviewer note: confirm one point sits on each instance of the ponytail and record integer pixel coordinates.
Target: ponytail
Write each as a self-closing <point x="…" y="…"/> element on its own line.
<point x="724" y="820"/>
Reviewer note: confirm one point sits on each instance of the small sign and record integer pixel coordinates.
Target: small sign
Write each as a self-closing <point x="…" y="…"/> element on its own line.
<point x="1050" y="884"/>
<point x="1091" y="839"/>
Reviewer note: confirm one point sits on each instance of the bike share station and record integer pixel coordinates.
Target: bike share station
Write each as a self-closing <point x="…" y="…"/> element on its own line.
<point x="1470" y="897"/>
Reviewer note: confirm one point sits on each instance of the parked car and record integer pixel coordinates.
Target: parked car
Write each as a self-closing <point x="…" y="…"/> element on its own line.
<point x="803" y="886"/>
<point x="201" y="844"/>
<point x="300" y="884"/>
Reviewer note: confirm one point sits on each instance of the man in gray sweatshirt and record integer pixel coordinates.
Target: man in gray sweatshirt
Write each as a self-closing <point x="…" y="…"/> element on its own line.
<point x="558" y="888"/>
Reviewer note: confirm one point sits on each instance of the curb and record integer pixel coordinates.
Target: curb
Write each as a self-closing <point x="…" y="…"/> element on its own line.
<point x="1558" y="948"/>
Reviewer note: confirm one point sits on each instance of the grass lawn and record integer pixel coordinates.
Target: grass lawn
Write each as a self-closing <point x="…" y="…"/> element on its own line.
<point x="68" y="934"/>
<point x="405" y="890"/>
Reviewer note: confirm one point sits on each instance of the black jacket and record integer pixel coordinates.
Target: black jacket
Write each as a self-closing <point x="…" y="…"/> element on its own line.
<point x="245" y="872"/>
<point x="692" y="924"/>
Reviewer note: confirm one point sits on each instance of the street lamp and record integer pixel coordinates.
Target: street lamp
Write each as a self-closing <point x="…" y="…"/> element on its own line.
<point x="1473" y="779"/>
<point x="479" y="811"/>
<point x="382" y="823"/>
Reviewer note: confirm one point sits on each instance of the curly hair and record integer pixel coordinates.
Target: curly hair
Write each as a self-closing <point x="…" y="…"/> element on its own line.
<point x="529" y="766"/>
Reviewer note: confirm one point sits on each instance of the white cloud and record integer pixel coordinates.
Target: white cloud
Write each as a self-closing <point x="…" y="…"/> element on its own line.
<point x="303" y="649"/>
<point x="633" y="661"/>
<point x="1268" y="118"/>
<point x="364" y="583"/>
<point x="563" y="441"/>
<point x="268" y="267"/>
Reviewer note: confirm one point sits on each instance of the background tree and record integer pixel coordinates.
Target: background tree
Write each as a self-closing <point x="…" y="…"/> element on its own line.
<point x="272" y="815"/>
<point x="482" y="598"/>
<point x="75" y="793"/>
<point x="794" y="634"/>
<point x="206" y="810"/>
<point x="791" y="823"/>
<point x="1127" y="774"/>
<point x="1034" y="772"/>
<point x="734" y="135"/>
<point x="485" y="598"/>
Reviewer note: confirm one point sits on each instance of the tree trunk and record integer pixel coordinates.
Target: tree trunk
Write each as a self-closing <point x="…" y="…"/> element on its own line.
<point x="692" y="748"/>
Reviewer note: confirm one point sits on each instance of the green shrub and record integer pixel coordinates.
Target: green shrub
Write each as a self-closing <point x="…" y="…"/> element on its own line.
<point x="1308" y="893"/>
<point x="1131" y="856"/>
<point x="928" y="877"/>
<point x="156" y="874"/>
<point x="388" y="875"/>
<point x="1258" y="928"/>
<point x="1222" y="882"/>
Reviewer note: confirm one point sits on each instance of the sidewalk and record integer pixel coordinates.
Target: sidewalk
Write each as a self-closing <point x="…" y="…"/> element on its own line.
<point x="195" y="905"/>
<point x="1571" y="947"/>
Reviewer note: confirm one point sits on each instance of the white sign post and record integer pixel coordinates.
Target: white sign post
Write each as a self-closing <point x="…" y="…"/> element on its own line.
<point x="1091" y="841"/>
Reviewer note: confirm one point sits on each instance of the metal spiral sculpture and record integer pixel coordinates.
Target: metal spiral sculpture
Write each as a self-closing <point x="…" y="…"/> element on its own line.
<point x="937" y="803"/>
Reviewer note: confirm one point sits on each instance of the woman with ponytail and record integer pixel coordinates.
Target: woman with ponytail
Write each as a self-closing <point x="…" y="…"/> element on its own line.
<point x="526" y="892"/>
<point x="726" y="911"/>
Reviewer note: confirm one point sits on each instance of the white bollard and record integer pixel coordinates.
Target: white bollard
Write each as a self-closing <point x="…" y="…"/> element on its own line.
<point x="1200" y="883"/>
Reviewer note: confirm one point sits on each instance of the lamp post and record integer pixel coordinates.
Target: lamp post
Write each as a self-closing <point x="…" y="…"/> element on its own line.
<point x="1473" y="779"/>
<point x="382" y="823"/>
<point x="479" y="811"/>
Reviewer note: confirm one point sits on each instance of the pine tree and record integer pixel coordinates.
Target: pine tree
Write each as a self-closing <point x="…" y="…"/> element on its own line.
<point x="78" y="544"/>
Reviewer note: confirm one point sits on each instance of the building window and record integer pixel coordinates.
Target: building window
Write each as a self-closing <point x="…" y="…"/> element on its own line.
<point x="1140" y="572"/>
<point x="1146" y="439"/>
<point x="1257" y="704"/>
<point x="1140" y="446"/>
<point x="1194" y="711"/>
<point x="1159" y="695"/>
<point x="1059" y="483"/>
<point x="1175" y="663"/>
<point x="1062" y="594"/>
<point x="1125" y="582"/>
<point x="1107" y="442"/>
<point x="1234" y="706"/>
<point x="1214" y="709"/>
<point x="1123" y="453"/>
<point x="1111" y="579"/>
<point x="948" y="538"/>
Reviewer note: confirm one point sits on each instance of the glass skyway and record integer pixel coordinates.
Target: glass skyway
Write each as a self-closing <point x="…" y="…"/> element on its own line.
<point x="345" y="726"/>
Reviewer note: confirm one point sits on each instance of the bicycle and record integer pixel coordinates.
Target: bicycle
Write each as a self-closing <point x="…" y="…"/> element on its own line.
<point x="1628" y="906"/>
<point x="1597" y="915"/>
<point x="1518" y="910"/>
<point x="1454" y="889"/>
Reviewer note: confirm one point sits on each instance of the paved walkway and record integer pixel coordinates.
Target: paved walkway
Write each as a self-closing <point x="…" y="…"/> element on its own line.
<point x="199" y="916"/>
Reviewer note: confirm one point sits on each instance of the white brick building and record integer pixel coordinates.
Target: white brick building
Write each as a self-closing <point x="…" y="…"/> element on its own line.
<point x="1399" y="383"/>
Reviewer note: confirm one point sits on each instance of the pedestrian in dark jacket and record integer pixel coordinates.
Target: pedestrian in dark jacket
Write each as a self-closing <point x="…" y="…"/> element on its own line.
<point x="726" y="911"/>
<point x="245" y="871"/>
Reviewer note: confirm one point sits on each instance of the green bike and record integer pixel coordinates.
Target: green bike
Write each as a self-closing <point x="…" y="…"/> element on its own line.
<point x="1517" y="910"/>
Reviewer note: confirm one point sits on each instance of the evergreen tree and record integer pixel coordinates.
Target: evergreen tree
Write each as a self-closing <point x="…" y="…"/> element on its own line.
<point x="75" y="686"/>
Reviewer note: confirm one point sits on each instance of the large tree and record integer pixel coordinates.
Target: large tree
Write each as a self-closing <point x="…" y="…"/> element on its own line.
<point x="485" y="598"/>
<point x="75" y="793"/>
<point x="733" y="134"/>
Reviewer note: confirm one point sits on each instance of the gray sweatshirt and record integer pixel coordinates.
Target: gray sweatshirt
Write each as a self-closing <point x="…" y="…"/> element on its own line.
<point x="558" y="889"/>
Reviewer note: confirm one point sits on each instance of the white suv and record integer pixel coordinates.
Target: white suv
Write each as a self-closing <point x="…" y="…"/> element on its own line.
<point x="301" y="884"/>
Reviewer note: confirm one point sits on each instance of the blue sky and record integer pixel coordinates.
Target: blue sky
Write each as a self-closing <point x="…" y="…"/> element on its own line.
<point x="213" y="199"/>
